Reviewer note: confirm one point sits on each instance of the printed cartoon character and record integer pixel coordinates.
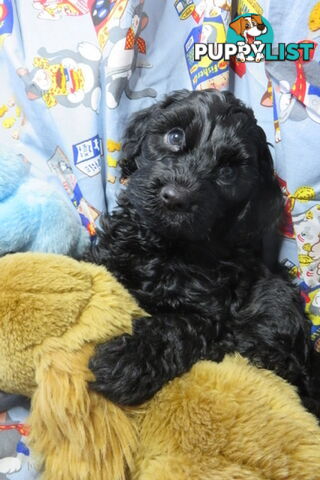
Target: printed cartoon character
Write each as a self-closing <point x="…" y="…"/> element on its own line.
<point x="291" y="106"/>
<point x="210" y="8"/>
<point x="60" y="166"/>
<point x="13" y="451"/>
<point x="306" y="226"/>
<point x="100" y="9"/>
<point x="311" y="301"/>
<point x="105" y="15"/>
<point x="208" y="34"/>
<point x="6" y="19"/>
<point x="185" y="8"/>
<point x="313" y="250"/>
<point x="123" y="59"/>
<point x="220" y="82"/>
<point x="205" y="8"/>
<point x="313" y="306"/>
<point x="299" y="88"/>
<point x="301" y="194"/>
<point x="249" y="28"/>
<point x="68" y="78"/>
<point x="207" y="73"/>
<point x="56" y="9"/>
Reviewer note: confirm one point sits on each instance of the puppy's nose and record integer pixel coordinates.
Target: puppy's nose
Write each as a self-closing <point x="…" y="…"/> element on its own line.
<point x="261" y="27"/>
<point x="175" y="198"/>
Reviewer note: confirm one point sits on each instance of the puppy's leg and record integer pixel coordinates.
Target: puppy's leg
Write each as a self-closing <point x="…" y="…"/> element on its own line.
<point x="130" y="369"/>
<point x="274" y="333"/>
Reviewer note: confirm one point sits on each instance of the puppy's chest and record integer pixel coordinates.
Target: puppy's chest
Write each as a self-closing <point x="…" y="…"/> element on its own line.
<point x="176" y="286"/>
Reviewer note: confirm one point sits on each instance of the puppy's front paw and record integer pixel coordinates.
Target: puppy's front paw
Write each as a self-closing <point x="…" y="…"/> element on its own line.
<point x="123" y="373"/>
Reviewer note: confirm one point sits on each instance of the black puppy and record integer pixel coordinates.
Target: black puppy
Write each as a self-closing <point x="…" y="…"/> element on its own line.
<point x="186" y="241"/>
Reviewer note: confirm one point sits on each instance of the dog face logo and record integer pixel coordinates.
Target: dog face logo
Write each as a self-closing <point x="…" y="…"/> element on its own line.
<point x="248" y="30"/>
<point x="249" y="27"/>
<point x="250" y="39"/>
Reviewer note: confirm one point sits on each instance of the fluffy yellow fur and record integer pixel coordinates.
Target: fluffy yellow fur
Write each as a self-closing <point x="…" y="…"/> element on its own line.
<point x="53" y="310"/>
<point x="78" y="433"/>
<point x="227" y="421"/>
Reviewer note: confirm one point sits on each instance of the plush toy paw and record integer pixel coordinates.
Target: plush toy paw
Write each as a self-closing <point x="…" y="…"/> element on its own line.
<point x="123" y="373"/>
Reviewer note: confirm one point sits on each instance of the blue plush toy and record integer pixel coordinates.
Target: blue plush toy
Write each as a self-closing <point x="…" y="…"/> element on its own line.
<point x="35" y="216"/>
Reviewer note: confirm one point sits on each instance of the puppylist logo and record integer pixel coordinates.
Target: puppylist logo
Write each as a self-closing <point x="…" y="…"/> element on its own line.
<point x="249" y="39"/>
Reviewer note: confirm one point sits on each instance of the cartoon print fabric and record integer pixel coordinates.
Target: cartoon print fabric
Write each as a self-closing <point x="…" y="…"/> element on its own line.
<point x="285" y="96"/>
<point x="15" y="457"/>
<point x="72" y="71"/>
<point x="50" y="97"/>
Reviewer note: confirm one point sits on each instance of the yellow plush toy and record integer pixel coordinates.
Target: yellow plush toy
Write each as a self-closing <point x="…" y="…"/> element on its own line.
<point x="226" y="421"/>
<point x="53" y="311"/>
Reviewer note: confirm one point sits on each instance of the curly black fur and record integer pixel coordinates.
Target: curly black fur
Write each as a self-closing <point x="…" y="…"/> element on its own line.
<point x="191" y="255"/>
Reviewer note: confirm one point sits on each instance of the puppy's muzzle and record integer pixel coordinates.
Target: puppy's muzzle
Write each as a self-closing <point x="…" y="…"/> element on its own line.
<point x="175" y="197"/>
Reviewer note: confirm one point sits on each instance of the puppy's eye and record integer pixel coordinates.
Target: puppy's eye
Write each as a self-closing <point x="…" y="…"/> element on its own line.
<point x="226" y="174"/>
<point x="175" y="138"/>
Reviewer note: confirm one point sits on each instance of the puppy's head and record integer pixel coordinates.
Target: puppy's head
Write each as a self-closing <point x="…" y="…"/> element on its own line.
<point x="198" y="166"/>
<point x="249" y="27"/>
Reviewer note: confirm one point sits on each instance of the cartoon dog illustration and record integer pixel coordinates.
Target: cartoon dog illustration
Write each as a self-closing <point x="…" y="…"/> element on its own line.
<point x="124" y="59"/>
<point x="249" y="28"/>
<point x="299" y="89"/>
<point x="65" y="77"/>
<point x="56" y="9"/>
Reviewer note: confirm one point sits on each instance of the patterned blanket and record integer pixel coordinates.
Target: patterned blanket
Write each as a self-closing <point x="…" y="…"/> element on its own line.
<point x="72" y="71"/>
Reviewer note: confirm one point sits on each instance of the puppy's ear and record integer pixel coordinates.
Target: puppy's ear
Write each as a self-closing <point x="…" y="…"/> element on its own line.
<point x="237" y="26"/>
<point x="257" y="18"/>
<point x="272" y="203"/>
<point x="263" y="212"/>
<point x="133" y="138"/>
